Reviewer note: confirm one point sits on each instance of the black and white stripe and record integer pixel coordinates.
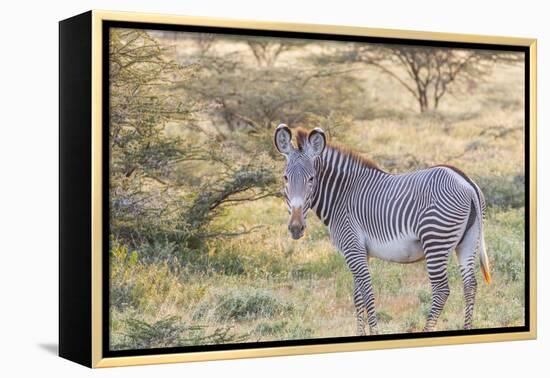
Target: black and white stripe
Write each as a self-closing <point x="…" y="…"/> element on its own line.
<point x="404" y="218"/>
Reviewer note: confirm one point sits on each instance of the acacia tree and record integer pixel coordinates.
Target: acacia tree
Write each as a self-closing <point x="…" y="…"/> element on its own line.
<point x="257" y="99"/>
<point x="204" y="42"/>
<point x="139" y="150"/>
<point x="428" y="73"/>
<point x="266" y="51"/>
<point x="252" y="99"/>
<point x="149" y="198"/>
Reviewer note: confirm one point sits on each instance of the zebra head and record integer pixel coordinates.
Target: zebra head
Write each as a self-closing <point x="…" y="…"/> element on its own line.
<point x="299" y="176"/>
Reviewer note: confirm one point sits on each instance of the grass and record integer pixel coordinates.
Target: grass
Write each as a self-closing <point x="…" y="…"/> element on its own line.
<point x="264" y="286"/>
<point x="240" y="304"/>
<point x="293" y="290"/>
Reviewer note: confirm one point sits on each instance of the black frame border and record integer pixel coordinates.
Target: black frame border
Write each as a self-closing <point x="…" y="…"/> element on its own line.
<point x="75" y="182"/>
<point x="106" y="25"/>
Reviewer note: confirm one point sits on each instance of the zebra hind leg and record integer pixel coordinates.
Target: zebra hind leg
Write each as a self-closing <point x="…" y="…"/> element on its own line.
<point x="470" y="287"/>
<point x="466" y="253"/>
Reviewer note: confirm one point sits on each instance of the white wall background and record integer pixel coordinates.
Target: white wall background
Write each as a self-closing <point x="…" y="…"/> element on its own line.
<point x="28" y="200"/>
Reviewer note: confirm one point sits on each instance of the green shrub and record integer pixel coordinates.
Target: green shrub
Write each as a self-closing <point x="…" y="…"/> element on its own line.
<point x="243" y="304"/>
<point x="141" y="282"/>
<point x="413" y="322"/>
<point x="159" y="251"/>
<point x="325" y="267"/>
<point x="343" y="283"/>
<point x="169" y="332"/>
<point x="266" y="263"/>
<point x="425" y="298"/>
<point x="282" y="330"/>
<point x="505" y="245"/>
<point x="122" y="262"/>
<point x="386" y="277"/>
<point x="318" y="232"/>
<point x="383" y="316"/>
<point x="298" y="332"/>
<point x="506" y="262"/>
<point x="271" y="328"/>
<point x="228" y="262"/>
<point x="503" y="191"/>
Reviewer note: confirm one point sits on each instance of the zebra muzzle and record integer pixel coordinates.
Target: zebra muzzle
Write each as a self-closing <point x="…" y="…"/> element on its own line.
<point x="297" y="224"/>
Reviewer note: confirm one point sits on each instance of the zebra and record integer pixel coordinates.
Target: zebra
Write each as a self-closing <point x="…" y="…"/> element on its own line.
<point x="403" y="218"/>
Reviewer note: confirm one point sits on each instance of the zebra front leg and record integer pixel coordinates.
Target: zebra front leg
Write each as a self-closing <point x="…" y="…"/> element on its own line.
<point x="436" y="261"/>
<point x="368" y="297"/>
<point x="363" y="294"/>
<point x="440" y="293"/>
<point x="359" y="310"/>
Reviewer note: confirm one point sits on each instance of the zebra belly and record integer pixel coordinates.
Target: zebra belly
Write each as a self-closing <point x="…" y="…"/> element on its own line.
<point x="406" y="249"/>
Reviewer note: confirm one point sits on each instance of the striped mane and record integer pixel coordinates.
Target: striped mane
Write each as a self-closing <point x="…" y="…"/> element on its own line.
<point x="301" y="139"/>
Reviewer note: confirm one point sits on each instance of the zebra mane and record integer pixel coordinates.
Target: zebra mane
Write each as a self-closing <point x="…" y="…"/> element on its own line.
<point x="301" y="139"/>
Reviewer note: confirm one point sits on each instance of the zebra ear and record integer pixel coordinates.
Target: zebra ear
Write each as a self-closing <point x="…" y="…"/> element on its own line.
<point x="317" y="142"/>
<point x="283" y="139"/>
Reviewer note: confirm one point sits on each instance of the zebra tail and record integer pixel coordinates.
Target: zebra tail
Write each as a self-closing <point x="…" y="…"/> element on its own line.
<point x="483" y="258"/>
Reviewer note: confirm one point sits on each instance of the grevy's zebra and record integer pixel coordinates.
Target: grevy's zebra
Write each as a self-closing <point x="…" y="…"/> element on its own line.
<point x="370" y="213"/>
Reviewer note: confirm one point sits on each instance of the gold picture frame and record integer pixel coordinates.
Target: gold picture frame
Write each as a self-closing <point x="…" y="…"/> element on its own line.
<point x="81" y="258"/>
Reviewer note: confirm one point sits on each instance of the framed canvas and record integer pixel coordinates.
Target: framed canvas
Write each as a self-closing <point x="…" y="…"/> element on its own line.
<point x="234" y="189"/>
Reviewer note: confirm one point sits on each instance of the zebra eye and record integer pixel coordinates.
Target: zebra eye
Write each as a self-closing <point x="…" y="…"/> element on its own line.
<point x="310" y="180"/>
<point x="285" y="177"/>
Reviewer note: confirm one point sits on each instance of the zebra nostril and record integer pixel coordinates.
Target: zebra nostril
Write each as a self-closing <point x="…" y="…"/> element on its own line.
<point x="296" y="227"/>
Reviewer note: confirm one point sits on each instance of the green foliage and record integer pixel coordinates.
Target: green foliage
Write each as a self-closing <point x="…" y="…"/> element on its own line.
<point x="149" y="201"/>
<point x="504" y="191"/>
<point x="266" y="50"/>
<point x="425" y="73"/>
<point x="384" y="317"/>
<point x="425" y="298"/>
<point x="159" y="251"/>
<point x="139" y="281"/>
<point x="271" y="328"/>
<point x="252" y="97"/>
<point x="386" y="278"/>
<point x="326" y="266"/>
<point x="228" y="262"/>
<point x="282" y="330"/>
<point x="243" y="304"/>
<point x="206" y="205"/>
<point x="121" y="262"/>
<point x="506" y="245"/>
<point x="170" y="331"/>
<point x="142" y="102"/>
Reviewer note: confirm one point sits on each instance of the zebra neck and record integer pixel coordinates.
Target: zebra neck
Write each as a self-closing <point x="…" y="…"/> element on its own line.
<point x="337" y="172"/>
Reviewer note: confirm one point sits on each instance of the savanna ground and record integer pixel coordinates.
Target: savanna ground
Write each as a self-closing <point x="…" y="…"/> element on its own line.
<point x="200" y="251"/>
